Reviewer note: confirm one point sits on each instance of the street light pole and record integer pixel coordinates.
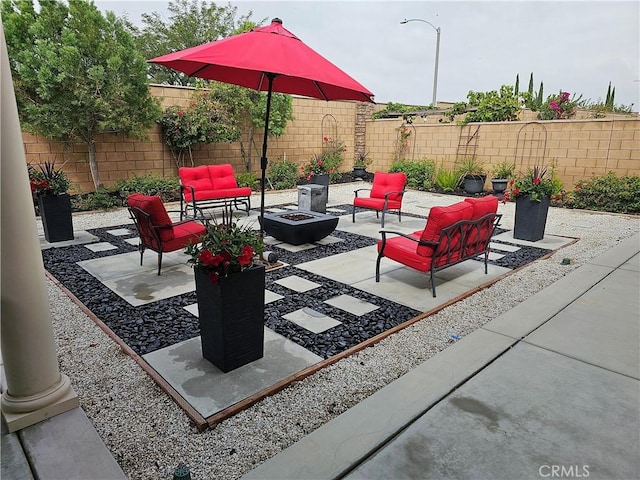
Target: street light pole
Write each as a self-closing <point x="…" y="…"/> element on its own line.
<point x="435" y="72"/>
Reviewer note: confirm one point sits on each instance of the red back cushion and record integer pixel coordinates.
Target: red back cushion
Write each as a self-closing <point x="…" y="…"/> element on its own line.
<point x="196" y="177"/>
<point x="153" y="206"/>
<point x="478" y="236"/>
<point x="483" y="206"/>
<point x="222" y="176"/>
<point x="442" y="217"/>
<point x="388" y="182"/>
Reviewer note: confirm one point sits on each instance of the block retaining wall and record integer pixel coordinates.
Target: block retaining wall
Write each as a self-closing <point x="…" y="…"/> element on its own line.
<point x="580" y="149"/>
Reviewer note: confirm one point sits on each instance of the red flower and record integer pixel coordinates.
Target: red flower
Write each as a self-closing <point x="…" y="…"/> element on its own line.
<point x="214" y="278"/>
<point x="206" y="257"/>
<point x="246" y="257"/>
<point x="516" y="191"/>
<point x="536" y="181"/>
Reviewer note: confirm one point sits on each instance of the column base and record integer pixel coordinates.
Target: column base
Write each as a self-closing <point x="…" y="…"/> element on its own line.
<point x="64" y="399"/>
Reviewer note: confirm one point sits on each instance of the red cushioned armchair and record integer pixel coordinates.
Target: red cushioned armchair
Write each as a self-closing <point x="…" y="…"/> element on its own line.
<point x="453" y="234"/>
<point x="156" y="230"/>
<point x="386" y="195"/>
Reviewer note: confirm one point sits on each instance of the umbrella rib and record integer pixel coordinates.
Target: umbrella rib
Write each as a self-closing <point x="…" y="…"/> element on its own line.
<point x="320" y="90"/>
<point x="198" y="71"/>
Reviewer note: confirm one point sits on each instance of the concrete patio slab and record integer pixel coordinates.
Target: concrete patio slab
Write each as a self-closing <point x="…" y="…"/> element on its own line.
<point x="411" y="288"/>
<point x="312" y="320"/>
<point x="79" y="237"/>
<point x="60" y="447"/>
<point x="549" y="242"/>
<point x="601" y="327"/>
<point x="333" y="449"/>
<point x="507" y="423"/>
<point x="525" y="317"/>
<point x="209" y="390"/>
<point x="352" y="305"/>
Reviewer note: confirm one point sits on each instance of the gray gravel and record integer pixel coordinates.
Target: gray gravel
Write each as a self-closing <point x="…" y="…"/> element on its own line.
<point x="149" y="435"/>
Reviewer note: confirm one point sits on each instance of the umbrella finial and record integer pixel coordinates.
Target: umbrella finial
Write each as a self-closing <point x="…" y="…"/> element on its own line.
<point x="276" y="20"/>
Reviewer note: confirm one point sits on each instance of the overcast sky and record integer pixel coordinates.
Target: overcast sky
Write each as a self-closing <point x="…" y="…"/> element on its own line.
<point x="575" y="46"/>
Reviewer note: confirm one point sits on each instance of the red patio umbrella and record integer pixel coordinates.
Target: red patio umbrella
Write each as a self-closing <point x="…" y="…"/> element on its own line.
<point x="270" y="59"/>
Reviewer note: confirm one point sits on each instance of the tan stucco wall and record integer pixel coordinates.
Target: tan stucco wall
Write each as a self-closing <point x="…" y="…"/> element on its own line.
<point x="579" y="148"/>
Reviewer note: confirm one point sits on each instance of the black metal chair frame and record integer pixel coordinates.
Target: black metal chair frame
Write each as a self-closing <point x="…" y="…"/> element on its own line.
<point x="149" y="231"/>
<point x="444" y="250"/>
<point x="384" y="206"/>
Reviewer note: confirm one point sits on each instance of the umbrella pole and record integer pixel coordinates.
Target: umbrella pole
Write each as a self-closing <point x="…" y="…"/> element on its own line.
<point x="263" y="159"/>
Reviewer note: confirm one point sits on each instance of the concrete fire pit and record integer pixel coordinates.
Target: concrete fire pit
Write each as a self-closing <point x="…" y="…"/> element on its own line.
<point x="298" y="227"/>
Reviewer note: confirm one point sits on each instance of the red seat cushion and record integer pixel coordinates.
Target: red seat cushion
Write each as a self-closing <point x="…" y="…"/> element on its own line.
<point x="185" y="233"/>
<point x="388" y="182"/>
<point x="153" y="206"/>
<point x="375" y="203"/>
<point x="403" y="250"/>
<point x="439" y="218"/>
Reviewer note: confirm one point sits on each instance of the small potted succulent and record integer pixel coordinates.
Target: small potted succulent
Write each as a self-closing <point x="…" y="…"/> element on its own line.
<point x="501" y="174"/>
<point x="472" y="175"/>
<point x="360" y="164"/>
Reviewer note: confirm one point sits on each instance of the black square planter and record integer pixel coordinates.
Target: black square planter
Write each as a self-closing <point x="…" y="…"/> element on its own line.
<point x="531" y="218"/>
<point x="231" y="317"/>
<point x="55" y="212"/>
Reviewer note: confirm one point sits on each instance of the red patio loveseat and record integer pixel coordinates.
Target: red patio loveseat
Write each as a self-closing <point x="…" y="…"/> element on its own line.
<point x="210" y="186"/>
<point x="452" y="235"/>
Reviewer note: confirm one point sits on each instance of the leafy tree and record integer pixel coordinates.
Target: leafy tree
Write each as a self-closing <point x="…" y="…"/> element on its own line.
<point x="77" y="73"/>
<point x="193" y="23"/>
<point x="190" y="23"/>
<point x="217" y="113"/>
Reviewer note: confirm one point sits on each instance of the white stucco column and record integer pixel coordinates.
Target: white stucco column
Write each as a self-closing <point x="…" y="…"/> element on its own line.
<point x="35" y="388"/>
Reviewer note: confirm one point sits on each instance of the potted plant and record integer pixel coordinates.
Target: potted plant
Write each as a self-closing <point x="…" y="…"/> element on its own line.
<point x="472" y="175"/>
<point x="501" y="174"/>
<point x="532" y="193"/>
<point x="230" y="285"/>
<point x="49" y="186"/>
<point x="321" y="167"/>
<point x="360" y="164"/>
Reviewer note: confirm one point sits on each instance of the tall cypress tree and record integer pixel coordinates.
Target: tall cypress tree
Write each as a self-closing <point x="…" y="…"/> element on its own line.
<point x="608" y="99"/>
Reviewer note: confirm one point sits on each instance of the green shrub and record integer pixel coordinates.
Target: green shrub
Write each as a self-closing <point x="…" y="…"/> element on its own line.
<point x="447" y="180"/>
<point x="283" y="174"/>
<point x="608" y="193"/>
<point x="248" y="179"/>
<point x="101" y="199"/>
<point x="420" y="173"/>
<point x="168" y="189"/>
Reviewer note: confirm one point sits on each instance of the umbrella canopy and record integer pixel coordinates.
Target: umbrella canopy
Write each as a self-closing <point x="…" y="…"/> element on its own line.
<point x="270" y="59"/>
<point x="246" y="59"/>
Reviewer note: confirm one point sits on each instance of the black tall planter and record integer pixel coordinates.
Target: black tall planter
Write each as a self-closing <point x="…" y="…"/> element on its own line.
<point x="231" y="317"/>
<point x="531" y="218"/>
<point x="321" y="179"/>
<point x="55" y="212"/>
